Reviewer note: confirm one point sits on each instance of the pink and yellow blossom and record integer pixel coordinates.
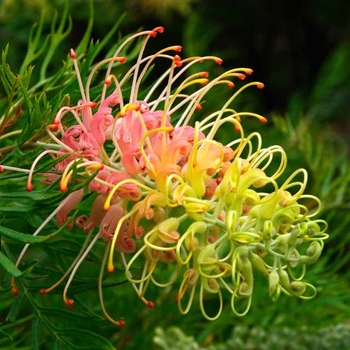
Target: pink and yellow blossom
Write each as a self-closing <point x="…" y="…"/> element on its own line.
<point x="168" y="192"/>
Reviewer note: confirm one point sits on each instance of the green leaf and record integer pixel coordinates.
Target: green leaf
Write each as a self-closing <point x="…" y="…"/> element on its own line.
<point x="26" y="238"/>
<point x="9" y="266"/>
<point x="16" y="308"/>
<point x="7" y="78"/>
<point x="35" y="334"/>
<point x="82" y="339"/>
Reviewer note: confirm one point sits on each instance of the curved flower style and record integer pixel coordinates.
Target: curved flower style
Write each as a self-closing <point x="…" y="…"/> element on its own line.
<point x="168" y="193"/>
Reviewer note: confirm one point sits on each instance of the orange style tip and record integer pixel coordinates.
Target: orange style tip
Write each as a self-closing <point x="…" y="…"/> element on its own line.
<point x="93" y="104"/>
<point x="263" y="120"/>
<point x="63" y="189"/>
<point x="15" y="291"/>
<point x="107" y="205"/>
<point x="241" y="76"/>
<point x="30" y="187"/>
<point x="69" y="302"/>
<point x="53" y="126"/>
<point x="231" y="85"/>
<point x="108" y="82"/>
<point x="260" y="86"/>
<point x="42" y="291"/>
<point x="199" y="107"/>
<point x="178" y="48"/>
<point x="176" y="299"/>
<point x="204" y="81"/>
<point x="121" y="59"/>
<point x="120" y="323"/>
<point x="249" y="71"/>
<point x="72" y="53"/>
<point x="219" y="61"/>
<point x="110" y="269"/>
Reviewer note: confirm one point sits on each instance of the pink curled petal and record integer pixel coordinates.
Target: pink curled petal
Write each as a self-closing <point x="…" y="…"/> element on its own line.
<point x="95" y="186"/>
<point x="71" y="137"/>
<point x="49" y="178"/>
<point x="100" y="123"/>
<point x="130" y="161"/>
<point x="111" y="100"/>
<point x="72" y="200"/>
<point x="110" y="222"/>
<point x="97" y="213"/>
<point x="125" y="244"/>
<point x="176" y="150"/>
<point x="187" y="132"/>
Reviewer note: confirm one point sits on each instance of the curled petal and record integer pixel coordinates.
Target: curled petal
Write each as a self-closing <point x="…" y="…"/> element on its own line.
<point x="73" y="200"/>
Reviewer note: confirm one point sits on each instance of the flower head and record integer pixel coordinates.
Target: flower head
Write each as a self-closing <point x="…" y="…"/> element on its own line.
<point x="167" y="191"/>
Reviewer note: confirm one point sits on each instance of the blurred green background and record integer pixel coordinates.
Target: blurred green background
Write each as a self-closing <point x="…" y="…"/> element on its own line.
<point x="301" y="51"/>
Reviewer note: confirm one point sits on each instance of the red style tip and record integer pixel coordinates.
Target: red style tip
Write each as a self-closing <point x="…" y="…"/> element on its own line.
<point x="150" y="304"/>
<point x="211" y="239"/>
<point x="73" y="55"/>
<point x="177" y="61"/>
<point x="159" y="29"/>
<point x="1" y="169"/>
<point x="121" y="59"/>
<point x="156" y="30"/>
<point x="42" y="291"/>
<point x="120" y="323"/>
<point x="260" y="86"/>
<point x="199" y="107"/>
<point x="69" y="302"/>
<point x="205" y="74"/>
<point x="15" y="291"/>
<point x="178" y="48"/>
<point x="93" y="104"/>
<point x="241" y="76"/>
<point x="263" y="120"/>
<point x="30" y="187"/>
<point x="176" y="299"/>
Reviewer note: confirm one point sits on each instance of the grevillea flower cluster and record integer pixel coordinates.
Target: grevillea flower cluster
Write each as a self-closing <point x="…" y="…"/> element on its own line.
<point x="176" y="206"/>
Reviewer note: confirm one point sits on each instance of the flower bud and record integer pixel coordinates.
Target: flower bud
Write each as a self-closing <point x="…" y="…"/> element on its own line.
<point x="258" y="263"/>
<point x="274" y="286"/>
<point x="297" y="288"/>
<point x="312" y="254"/>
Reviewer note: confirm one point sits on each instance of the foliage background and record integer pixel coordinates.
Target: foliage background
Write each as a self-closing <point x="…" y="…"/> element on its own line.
<point x="300" y="50"/>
